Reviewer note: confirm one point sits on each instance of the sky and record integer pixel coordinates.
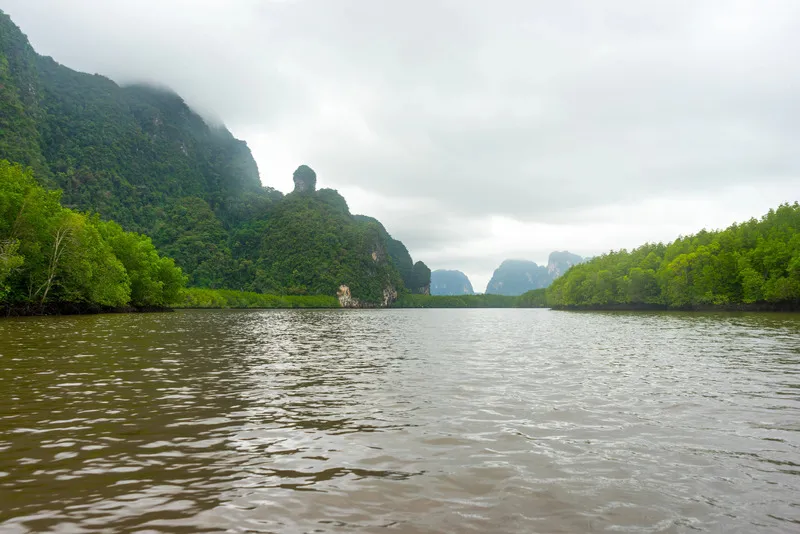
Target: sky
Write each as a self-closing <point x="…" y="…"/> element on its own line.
<point x="478" y="131"/>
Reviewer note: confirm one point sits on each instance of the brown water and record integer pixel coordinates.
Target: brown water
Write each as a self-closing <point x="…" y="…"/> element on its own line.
<point x="400" y="421"/>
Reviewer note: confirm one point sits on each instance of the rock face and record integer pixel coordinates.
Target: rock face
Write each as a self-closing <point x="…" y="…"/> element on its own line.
<point x="559" y="262"/>
<point x="305" y="179"/>
<point x="444" y="282"/>
<point x="389" y="296"/>
<point x="515" y="277"/>
<point x="416" y="277"/>
<point x="420" y="279"/>
<point x="346" y="299"/>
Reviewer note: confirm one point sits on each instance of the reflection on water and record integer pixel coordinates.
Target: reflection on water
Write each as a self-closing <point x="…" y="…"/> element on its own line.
<point x="419" y="420"/>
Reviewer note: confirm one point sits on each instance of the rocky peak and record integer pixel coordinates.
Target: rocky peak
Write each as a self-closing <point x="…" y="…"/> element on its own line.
<point x="305" y="179"/>
<point x="560" y="262"/>
<point x="445" y="282"/>
<point x="515" y="277"/>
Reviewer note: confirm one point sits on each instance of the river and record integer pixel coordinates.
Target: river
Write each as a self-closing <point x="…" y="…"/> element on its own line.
<point x="400" y="421"/>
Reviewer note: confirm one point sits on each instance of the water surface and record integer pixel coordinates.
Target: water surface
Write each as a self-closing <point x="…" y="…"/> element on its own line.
<point x="400" y="421"/>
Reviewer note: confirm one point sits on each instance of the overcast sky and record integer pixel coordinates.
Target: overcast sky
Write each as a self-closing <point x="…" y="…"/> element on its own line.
<point x="479" y="130"/>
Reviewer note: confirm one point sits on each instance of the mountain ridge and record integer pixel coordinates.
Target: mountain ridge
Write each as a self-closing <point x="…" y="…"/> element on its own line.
<point x="138" y="154"/>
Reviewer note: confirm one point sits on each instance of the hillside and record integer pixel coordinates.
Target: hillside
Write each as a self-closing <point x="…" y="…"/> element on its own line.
<point x="140" y="156"/>
<point x="123" y="151"/>
<point x="415" y="276"/>
<point x="450" y="283"/>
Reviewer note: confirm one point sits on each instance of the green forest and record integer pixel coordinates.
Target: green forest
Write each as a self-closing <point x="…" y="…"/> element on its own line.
<point x="752" y="265"/>
<point x="85" y="151"/>
<point x="52" y="255"/>
<point x="140" y="156"/>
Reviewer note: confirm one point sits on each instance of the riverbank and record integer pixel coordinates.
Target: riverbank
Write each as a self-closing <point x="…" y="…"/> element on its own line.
<point x="196" y="298"/>
<point x="191" y="298"/>
<point x="783" y="306"/>
<point x="455" y="301"/>
<point x="74" y="308"/>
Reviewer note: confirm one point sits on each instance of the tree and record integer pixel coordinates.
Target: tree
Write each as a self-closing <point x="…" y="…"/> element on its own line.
<point x="643" y="286"/>
<point x="756" y="261"/>
<point x="10" y="261"/>
<point x="89" y="271"/>
<point x="154" y="281"/>
<point x="50" y="254"/>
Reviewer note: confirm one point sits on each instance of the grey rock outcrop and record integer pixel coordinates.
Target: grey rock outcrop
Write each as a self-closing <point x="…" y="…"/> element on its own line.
<point x="305" y="179"/>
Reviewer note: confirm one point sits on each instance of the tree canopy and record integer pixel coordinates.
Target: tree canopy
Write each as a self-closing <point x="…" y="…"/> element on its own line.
<point x="757" y="261"/>
<point x="140" y="156"/>
<point x="50" y="254"/>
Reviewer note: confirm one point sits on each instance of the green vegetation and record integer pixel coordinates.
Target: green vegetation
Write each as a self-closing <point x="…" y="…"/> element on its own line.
<point x="420" y="279"/>
<point x="125" y="152"/>
<point x="459" y="301"/>
<point x="312" y="245"/>
<point x="415" y="276"/>
<point x="140" y="156"/>
<point x="51" y="255"/>
<point x="225" y="298"/>
<point x="535" y="298"/>
<point x="754" y="264"/>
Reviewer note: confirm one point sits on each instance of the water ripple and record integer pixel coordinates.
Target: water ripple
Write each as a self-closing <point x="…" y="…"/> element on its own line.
<point x="412" y="421"/>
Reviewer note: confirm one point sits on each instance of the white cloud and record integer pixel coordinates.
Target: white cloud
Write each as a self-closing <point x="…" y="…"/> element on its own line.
<point x="475" y="130"/>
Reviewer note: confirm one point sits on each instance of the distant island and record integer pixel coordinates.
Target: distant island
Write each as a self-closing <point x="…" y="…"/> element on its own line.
<point x="448" y="283"/>
<point x="515" y="277"/>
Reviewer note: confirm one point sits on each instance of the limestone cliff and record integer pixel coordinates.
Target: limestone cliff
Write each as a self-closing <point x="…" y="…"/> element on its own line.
<point x="446" y="282"/>
<point x="346" y="299"/>
<point x="559" y="262"/>
<point x="515" y="277"/>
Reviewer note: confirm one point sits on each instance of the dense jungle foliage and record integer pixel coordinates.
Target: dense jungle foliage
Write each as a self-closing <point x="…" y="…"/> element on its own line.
<point x="50" y="254"/>
<point x="535" y="298"/>
<point x="140" y="156"/>
<point x="756" y="262"/>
